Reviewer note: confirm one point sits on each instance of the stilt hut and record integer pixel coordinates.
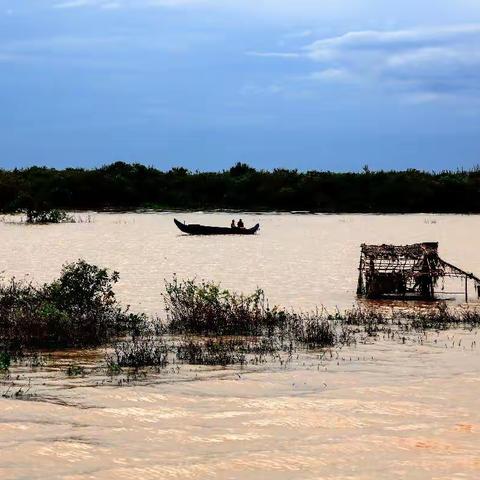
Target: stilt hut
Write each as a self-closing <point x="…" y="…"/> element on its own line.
<point x="406" y="271"/>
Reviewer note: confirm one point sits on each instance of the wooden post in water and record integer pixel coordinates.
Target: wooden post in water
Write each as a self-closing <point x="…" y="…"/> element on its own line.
<point x="466" y="289"/>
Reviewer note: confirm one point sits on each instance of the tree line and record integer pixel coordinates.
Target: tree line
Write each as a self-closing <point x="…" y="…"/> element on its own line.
<point x="130" y="186"/>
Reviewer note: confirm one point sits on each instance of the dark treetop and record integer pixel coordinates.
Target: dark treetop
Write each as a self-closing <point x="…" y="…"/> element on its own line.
<point x="129" y="186"/>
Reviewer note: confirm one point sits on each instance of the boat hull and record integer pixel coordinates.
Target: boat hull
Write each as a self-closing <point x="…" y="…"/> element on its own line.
<point x="195" y="229"/>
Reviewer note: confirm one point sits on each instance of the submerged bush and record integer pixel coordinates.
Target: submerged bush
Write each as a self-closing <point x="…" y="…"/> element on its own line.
<point x="206" y="309"/>
<point x="78" y="309"/>
<point x="220" y="352"/>
<point x="5" y="360"/>
<point x="48" y="216"/>
<point x="138" y="352"/>
<point x="75" y="371"/>
<point x="442" y="318"/>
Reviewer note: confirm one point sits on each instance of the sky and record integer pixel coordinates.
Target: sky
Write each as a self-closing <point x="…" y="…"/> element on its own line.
<point x="306" y="84"/>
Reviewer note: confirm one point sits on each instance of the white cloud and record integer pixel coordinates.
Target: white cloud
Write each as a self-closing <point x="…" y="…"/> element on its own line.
<point x="329" y="74"/>
<point x="275" y="54"/>
<point x="76" y="4"/>
<point x="251" y="89"/>
<point x="300" y="34"/>
<point x="288" y="12"/>
<point x="428" y="63"/>
<point x="108" y="4"/>
<point x="63" y="43"/>
<point x="422" y="97"/>
<point x="381" y="41"/>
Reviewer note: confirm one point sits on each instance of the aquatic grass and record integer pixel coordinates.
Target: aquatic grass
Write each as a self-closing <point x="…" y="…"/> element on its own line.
<point x="75" y="370"/>
<point x="372" y="321"/>
<point x="443" y="318"/>
<point x="315" y="330"/>
<point x="220" y="352"/>
<point x="224" y="351"/>
<point x="15" y="392"/>
<point x="137" y="352"/>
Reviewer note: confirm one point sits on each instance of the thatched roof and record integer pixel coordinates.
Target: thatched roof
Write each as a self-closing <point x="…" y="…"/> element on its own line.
<point x="392" y="252"/>
<point x="414" y="258"/>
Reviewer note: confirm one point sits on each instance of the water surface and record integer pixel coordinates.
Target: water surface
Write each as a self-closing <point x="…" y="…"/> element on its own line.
<point x="382" y="410"/>
<point x="301" y="261"/>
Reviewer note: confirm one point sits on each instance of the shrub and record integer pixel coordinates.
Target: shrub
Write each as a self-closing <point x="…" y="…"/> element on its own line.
<point x="204" y="308"/>
<point x="48" y="216"/>
<point x="5" y="360"/>
<point x="77" y="310"/>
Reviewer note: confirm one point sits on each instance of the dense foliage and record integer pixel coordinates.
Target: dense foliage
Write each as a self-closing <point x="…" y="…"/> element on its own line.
<point x="79" y="309"/>
<point x="122" y="185"/>
<point x="204" y="308"/>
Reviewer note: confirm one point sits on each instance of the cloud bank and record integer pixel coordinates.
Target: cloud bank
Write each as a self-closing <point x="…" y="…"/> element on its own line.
<point x="428" y="63"/>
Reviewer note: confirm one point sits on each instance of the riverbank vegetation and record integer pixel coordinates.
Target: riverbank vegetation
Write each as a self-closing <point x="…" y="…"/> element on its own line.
<point x="132" y="186"/>
<point x="204" y="324"/>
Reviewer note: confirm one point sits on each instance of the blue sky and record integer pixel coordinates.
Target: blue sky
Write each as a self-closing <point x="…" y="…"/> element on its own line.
<point x="310" y="84"/>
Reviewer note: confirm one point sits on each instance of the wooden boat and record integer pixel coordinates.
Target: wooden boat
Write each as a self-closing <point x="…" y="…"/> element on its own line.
<point x="195" y="229"/>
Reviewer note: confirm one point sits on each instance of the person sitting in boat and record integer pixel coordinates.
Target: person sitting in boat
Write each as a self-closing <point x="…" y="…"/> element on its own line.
<point x="240" y="224"/>
<point x="232" y="225"/>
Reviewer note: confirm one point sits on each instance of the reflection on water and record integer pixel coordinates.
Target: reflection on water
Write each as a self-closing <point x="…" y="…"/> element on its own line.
<point x="384" y="410"/>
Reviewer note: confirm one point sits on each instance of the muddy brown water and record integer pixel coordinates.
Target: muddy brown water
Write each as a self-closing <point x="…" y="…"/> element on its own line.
<point x="386" y="409"/>
<point x="301" y="261"/>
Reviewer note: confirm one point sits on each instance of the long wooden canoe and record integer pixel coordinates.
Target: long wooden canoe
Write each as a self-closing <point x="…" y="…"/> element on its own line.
<point x="195" y="229"/>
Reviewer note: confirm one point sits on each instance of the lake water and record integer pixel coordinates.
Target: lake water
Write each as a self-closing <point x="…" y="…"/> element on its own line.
<point x="301" y="261"/>
<point x="385" y="410"/>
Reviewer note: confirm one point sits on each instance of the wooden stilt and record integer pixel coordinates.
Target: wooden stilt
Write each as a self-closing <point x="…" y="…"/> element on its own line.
<point x="466" y="289"/>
